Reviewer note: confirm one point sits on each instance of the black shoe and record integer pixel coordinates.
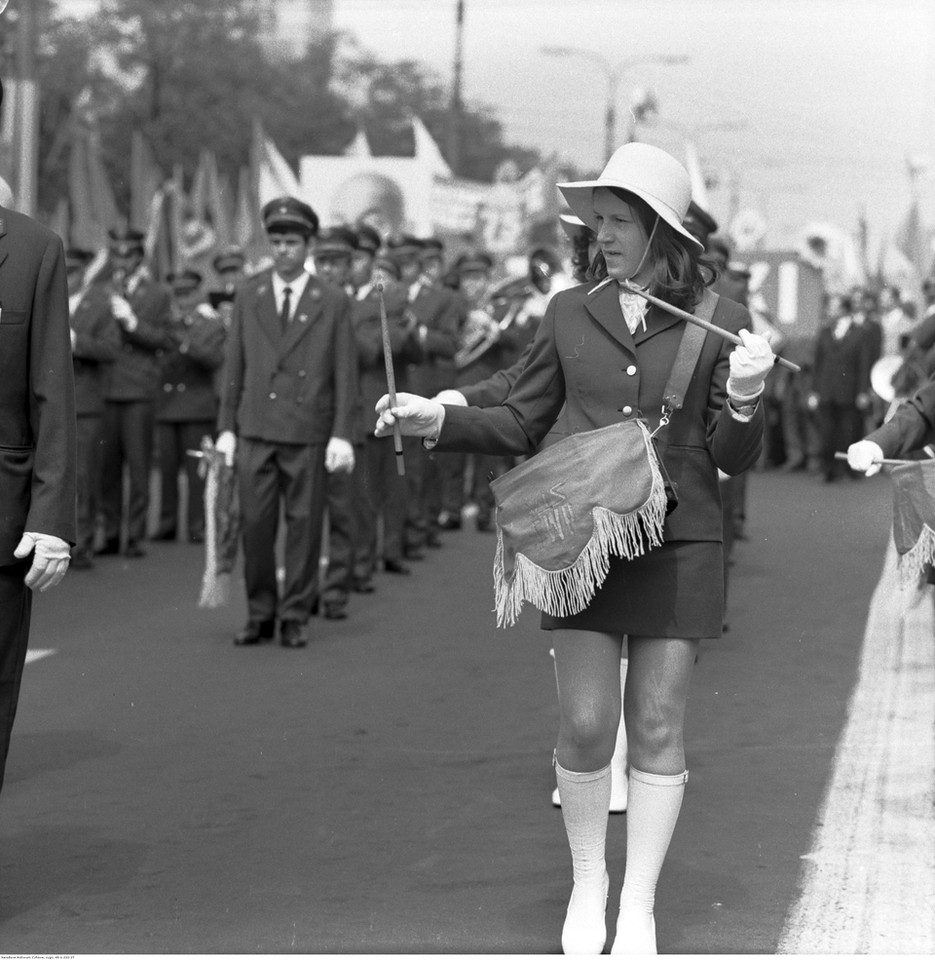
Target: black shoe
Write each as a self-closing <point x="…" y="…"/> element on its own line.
<point x="81" y="561"/>
<point x="433" y="540"/>
<point x="164" y="535"/>
<point x="413" y="553"/>
<point x="293" y="634"/>
<point x="256" y="631"/>
<point x="111" y="547"/>
<point x="335" y="611"/>
<point x="484" y="526"/>
<point x="134" y="550"/>
<point x="395" y="566"/>
<point x="363" y="586"/>
<point x="448" y="521"/>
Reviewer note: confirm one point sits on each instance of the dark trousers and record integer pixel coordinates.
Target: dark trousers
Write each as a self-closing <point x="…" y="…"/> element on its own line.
<point x="839" y="424"/>
<point x="475" y="470"/>
<point x="127" y="440"/>
<point x="89" y="482"/>
<point x="292" y="476"/>
<point x="383" y="495"/>
<point x="15" y="606"/>
<point x="343" y="508"/>
<point x="173" y="440"/>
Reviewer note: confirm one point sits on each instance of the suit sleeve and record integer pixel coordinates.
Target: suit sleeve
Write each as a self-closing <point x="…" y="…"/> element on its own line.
<point x="232" y="383"/>
<point x="346" y="389"/>
<point x="911" y="427"/>
<point x="52" y="402"/>
<point x="495" y="389"/>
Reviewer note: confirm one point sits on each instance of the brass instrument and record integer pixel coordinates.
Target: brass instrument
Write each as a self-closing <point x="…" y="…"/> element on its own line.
<point x="482" y="330"/>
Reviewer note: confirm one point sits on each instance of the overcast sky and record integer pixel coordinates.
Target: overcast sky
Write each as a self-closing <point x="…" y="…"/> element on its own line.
<point x="826" y="98"/>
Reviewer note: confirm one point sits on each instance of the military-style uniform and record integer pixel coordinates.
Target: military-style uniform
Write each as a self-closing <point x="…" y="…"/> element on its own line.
<point x="95" y="346"/>
<point x="129" y="415"/>
<point x="186" y="411"/>
<point x="384" y="492"/>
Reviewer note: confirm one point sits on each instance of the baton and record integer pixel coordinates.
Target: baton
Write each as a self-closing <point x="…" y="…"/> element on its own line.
<point x="391" y="382"/>
<point x="886" y="463"/>
<point x="711" y="327"/>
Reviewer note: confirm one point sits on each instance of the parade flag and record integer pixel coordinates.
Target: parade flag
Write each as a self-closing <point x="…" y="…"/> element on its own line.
<point x="426" y="150"/>
<point x="911" y="242"/>
<point x="274" y="177"/>
<point x="145" y="180"/>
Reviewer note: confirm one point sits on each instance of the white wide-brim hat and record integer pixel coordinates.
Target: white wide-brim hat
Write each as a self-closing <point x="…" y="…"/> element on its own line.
<point x="645" y="171"/>
<point x="573" y="226"/>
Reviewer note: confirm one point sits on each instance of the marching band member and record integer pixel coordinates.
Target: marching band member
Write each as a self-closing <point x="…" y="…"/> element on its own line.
<point x="606" y="356"/>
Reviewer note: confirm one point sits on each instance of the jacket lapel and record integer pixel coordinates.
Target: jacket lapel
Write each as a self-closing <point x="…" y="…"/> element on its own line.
<point x="603" y="303"/>
<point x="306" y="311"/>
<point x="656" y="321"/>
<point x="266" y="312"/>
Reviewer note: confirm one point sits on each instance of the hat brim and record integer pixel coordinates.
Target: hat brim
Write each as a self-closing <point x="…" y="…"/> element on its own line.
<point x="579" y="196"/>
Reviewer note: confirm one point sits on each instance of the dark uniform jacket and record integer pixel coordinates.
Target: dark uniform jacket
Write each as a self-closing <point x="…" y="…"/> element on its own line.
<point x="188" y="391"/>
<point x="297" y="386"/>
<point x="97" y="345"/>
<point x="135" y="374"/>
<point x="911" y="427"/>
<point x="442" y="312"/>
<point x="842" y="366"/>
<point x="584" y="357"/>
<point x="37" y="395"/>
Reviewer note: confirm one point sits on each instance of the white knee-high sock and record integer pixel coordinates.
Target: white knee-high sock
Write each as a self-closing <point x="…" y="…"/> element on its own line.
<point x="653" y="806"/>
<point x="585" y="801"/>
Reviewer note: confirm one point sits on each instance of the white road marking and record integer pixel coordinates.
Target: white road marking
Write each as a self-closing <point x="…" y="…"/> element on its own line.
<point x="869" y="880"/>
<point x="32" y="655"/>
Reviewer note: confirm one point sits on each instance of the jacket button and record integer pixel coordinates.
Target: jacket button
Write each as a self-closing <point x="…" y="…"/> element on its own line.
<point x="627" y="410"/>
<point x="301" y="373"/>
<point x="167" y="387"/>
<point x="631" y="370"/>
<point x="272" y="396"/>
<point x="181" y="388"/>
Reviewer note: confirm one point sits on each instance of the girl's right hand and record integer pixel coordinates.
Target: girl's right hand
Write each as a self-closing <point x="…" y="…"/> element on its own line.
<point x="417" y="416"/>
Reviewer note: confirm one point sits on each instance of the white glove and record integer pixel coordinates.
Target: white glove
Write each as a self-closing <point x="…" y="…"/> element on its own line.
<point x="123" y="312"/>
<point x="749" y="365"/>
<point x="50" y="556"/>
<point x="417" y="416"/>
<point x="74" y="340"/>
<point x="453" y="397"/>
<point x="226" y="444"/>
<point x="339" y="456"/>
<point x="864" y="457"/>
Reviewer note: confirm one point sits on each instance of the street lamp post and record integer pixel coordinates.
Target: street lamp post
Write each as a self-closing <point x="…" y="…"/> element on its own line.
<point x="613" y="73"/>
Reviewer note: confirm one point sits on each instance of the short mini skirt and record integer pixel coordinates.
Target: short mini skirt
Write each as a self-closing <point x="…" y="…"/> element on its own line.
<point x="674" y="590"/>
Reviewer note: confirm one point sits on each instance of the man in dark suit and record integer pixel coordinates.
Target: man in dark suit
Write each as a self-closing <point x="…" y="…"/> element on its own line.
<point x="140" y="305"/>
<point x="287" y="413"/>
<point x="841" y="384"/>
<point x="37" y="438"/>
<point x="95" y="344"/>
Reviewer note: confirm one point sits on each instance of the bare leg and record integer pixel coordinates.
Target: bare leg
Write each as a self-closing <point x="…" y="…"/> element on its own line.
<point x="656" y="697"/>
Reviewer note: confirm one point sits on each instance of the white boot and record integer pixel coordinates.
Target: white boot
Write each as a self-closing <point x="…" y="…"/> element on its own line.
<point x="654" y="804"/>
<point x="585" y="799"/>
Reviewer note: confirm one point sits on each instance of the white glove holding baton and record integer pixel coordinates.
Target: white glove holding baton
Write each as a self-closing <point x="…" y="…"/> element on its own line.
<point x="123" y="312"/>
<point x="226" y="445"/>
<point x="417" y="416"/>
<point x="865" y="457"/>
<point x="750" y="364"/>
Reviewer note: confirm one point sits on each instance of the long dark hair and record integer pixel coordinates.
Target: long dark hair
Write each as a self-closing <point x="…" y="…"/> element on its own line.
<point x="679" y="275"/>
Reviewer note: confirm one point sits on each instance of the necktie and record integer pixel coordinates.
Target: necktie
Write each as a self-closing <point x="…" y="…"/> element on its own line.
<point x="286" y="308"/>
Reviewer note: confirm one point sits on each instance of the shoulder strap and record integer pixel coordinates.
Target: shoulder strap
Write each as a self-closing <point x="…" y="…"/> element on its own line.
<point x="686" y="359"/>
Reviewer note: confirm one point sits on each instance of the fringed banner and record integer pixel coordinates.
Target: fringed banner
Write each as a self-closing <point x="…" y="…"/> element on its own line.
<point x="914" y="518"/>
<point x="562" y="514"/>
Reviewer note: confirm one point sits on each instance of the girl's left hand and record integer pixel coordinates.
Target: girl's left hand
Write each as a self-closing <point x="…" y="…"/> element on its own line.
<point x="417" y="416"/>
<point x="750" y="363"/>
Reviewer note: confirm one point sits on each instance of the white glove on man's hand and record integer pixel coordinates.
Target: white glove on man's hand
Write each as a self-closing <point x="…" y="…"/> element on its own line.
<point x="864" y="457"/>
<point x="123" y="312"/>
<point x="50" y="556"/>
<point x="749" y="365"/>
<point x="226" y="444"/>
<point x="417" y="416"/>
<point x="453" y="397"/>
<point x="339" y="456"/>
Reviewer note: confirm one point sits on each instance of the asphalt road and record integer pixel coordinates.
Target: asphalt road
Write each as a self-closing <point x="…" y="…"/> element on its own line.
<point x="386" y="790"/>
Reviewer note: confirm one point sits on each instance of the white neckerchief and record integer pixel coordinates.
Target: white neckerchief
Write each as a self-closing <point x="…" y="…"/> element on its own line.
<point x="634" y="309"/>
<point x="297" y="287"/>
